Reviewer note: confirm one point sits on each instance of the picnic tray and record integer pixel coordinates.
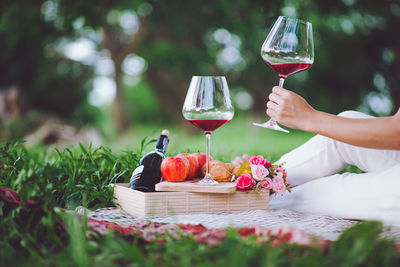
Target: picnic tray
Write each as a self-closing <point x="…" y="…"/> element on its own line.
<point x="193" y="186"/>
<point x="141" y="204"/>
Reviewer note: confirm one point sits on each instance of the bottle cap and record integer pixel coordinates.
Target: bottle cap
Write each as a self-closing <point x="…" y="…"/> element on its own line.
<point x="165" y="132"/>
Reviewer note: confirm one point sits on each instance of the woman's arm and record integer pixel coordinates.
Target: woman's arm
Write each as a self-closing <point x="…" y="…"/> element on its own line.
<point x="293" y="111"/>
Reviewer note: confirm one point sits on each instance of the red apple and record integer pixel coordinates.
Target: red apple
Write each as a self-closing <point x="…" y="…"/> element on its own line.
<point x="193" y="164"/>
<point x="175" y="169"/>
<point x="202" y="159"/>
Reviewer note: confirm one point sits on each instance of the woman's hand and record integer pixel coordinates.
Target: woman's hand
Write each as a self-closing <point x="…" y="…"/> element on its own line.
<point x="289" y="109"/>
<point x="293" y="111"/>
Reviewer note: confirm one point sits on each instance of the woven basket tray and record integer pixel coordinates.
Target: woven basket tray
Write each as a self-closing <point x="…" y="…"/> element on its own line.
<point x="142" y="204"/>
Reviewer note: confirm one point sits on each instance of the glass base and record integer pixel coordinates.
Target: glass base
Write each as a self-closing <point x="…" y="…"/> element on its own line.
<point x="271" y="124"/>
<point x="207" y="180"/>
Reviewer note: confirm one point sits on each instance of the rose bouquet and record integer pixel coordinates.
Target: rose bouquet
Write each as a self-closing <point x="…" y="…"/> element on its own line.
<point x="259" y="174"/>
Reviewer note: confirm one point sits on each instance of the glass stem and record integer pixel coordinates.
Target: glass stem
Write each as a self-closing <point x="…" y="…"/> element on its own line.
<point x="281" y="81"/>
<point x="208" y="137"/>
<point x="271" y="121"/>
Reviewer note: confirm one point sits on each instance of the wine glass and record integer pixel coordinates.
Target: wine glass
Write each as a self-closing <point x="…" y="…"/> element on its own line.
<point x="208" y="106"/>
<point x="288" y="49"/>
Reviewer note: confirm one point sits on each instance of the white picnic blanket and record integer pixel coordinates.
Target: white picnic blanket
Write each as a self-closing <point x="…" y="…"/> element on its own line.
<point x="326" y="227"/>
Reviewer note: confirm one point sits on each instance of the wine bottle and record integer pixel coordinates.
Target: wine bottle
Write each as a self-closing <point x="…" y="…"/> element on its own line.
<point x="147" y="174"/>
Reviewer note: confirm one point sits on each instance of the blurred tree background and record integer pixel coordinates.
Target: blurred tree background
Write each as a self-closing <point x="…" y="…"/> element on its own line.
<point x="116" y="64"/>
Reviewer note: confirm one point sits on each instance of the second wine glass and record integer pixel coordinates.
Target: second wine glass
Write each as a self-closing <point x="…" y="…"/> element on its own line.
<point x="288" y="49"/>
<point x="208" y="106"/>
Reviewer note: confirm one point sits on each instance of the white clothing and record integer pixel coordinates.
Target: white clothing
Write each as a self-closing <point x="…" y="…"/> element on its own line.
<point x="312" y="170"/>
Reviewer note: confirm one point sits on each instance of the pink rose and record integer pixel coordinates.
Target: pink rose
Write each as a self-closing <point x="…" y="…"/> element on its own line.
<point x="259" y="172"/>
<point x="259" y="160"/>
<point x="244" y="182"/>
<point x="265" y="184"/>
<point x="267" y="163"/>
<point x="282" y="170"/>
<point x="278" y="185"/>
<point x="256" y="160"/>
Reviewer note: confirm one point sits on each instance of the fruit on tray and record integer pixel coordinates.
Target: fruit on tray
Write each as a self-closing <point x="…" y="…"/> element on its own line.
<point x="220" y="171"/>
<point x="175" y="169"/>
<point x="202" y="159"/>
<point x="193" y="164"/>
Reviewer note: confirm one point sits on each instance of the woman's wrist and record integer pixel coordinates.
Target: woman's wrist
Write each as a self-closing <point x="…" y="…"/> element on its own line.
<point x="311" y="121"/>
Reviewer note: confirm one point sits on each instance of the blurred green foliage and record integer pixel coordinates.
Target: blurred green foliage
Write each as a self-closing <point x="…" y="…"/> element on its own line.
<point x="143" y="104"/>
<point x="28" y="60"/>
<point x="356" y="53"/>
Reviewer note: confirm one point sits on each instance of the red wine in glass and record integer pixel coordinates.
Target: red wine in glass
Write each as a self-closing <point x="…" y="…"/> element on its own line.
<point x="287" y="69"/>
<point x="208" y="126"/>
<point x="208" y="106"/>
<point x="288" y="49"/>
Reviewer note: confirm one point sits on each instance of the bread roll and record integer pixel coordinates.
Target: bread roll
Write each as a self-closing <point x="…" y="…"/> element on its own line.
<point x="219" y="171"/>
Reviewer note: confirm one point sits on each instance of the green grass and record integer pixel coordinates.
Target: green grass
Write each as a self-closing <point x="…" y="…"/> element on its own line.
<point x="237" y="137"/>
<point x="65" y="178"/>
<point x="81" y="176"/>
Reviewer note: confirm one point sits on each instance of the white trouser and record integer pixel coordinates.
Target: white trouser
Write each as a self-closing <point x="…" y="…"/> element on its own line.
<point x="312" y="168"/>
